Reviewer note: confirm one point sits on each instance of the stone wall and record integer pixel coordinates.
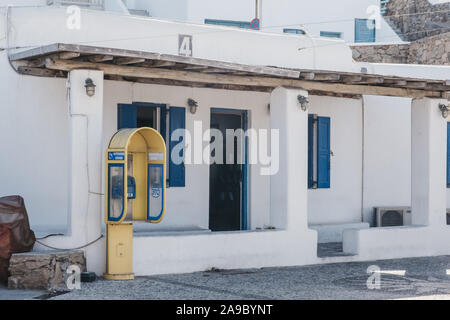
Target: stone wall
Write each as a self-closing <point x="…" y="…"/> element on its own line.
<point x="431" y="50"/>
<point x="417" y="19"/>
<point x="386" y="53"/>
<point x="42" y="270"/>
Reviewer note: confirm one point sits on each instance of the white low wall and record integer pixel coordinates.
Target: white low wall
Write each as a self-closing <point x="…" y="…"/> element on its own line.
<point x="397" y="242"/>
<point x="225" y="250"/>
<point x="328" y="233"/>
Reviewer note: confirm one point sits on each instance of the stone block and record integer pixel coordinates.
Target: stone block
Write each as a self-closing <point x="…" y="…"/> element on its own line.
<point x="42" y="270"/>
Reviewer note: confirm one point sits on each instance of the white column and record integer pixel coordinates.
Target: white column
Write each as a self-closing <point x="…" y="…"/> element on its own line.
<point x="428" y="163"/>
<point x="85" y="116"/>
<point x="288" y="188"/>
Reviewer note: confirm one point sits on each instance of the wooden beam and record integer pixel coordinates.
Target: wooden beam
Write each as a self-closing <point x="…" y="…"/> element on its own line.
<point x="436" y="86"/>
<point x="127" y="61"/>
<point x="351" y="79"/>
<point x="416" y="84"/>
<point x="67" y="55"/>
<point x="332" y="94"/>
<point x="446" y="95"/>
<point x="38" y="72"/>
<point x="400" y="83"/>
<point x="160" y="64"/>
<point x="100" y="58"/>
<point x="327" y="77"/>
<point x="218" y="79"/>
<point x="373" y="80"/>
<point x="202" y="85"/>
<point x="40" y="62"/>
<point x="307" y="75"/>
<point x="194" y="68"/>
<point x="214" y="70"/>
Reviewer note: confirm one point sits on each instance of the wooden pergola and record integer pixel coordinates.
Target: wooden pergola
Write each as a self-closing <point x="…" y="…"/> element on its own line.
<point x="56" y="60"/>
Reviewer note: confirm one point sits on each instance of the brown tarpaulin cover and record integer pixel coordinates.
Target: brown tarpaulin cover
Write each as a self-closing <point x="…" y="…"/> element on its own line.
<point x="15" y="233"/>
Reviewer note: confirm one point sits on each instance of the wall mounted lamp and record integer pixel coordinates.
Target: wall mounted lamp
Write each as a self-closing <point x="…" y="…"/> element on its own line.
<point x="444" y="110"/>
<point x="304" y="102"/>
<point x="193" y="105"/>
<point x="90" y="87"/>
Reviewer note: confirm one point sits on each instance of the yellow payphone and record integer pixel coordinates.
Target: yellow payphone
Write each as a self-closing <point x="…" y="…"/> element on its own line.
<point x="135" y="189"/>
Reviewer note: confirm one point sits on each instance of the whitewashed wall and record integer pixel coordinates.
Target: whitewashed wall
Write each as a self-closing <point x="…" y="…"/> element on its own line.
<point x="387" y="153"/>
<point x="174" y="10"/>
<point x="34" y="144"/>
<point x="314" y="16"/>
<point x="23" y="2"/>
<point x="323" y="15"/>
<point x="342" y="202"/>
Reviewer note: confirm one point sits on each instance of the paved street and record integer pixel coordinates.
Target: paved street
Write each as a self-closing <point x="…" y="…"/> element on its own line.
<point x="418" y="278"/>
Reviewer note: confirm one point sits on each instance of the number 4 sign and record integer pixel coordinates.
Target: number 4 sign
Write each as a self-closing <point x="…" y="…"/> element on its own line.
<point x="185" y="45"/>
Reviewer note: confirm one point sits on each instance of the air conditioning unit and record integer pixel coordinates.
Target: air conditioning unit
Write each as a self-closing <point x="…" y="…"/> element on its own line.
<point x="392" y="216"/>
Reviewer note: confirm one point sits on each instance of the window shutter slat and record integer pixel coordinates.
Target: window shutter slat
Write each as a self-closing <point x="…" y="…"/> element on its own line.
<point x="126" y="116"/>
<point x="177" y="120"/>
<point x="364" y="30"/>
<point x="310" y="150"/>
<point x="323" y="152"/>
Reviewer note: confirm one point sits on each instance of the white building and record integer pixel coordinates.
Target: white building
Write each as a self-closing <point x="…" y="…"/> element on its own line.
<point x="346" y="20"/>
<point x="384" y="137"/>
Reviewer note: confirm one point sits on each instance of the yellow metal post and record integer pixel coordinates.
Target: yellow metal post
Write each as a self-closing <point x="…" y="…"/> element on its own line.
<point x="119" y="253"/>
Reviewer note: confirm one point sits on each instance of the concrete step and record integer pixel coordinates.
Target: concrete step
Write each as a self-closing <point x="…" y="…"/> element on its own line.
<point x="332" y="249"/>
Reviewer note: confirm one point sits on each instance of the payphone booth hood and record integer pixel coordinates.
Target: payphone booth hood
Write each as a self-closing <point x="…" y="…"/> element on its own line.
<point x="124" y="142"/>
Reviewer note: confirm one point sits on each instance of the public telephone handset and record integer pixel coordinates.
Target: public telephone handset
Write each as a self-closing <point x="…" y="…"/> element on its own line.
<point x="131" y="188"/>
<point x="117" y="187"/>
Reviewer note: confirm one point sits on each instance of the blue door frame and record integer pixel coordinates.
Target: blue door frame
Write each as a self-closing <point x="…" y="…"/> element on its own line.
<point x="244" y="114"/>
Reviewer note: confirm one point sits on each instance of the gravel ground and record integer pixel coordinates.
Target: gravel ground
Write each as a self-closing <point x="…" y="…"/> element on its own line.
<point x="416" y="278"/>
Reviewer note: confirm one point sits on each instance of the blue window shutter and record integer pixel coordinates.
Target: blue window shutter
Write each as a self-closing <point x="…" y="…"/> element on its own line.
<point x="177" y="120"/>
<point x="310" y="150"/>
<point x="362" y="31"/>
<point x="163" y="123"/>
<point x="323" y="152"/>
<point x="448" y="155"/>
<point x="229" y="23"/>
<point x="126" y="116"/>
<point x="331" y="34"/>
